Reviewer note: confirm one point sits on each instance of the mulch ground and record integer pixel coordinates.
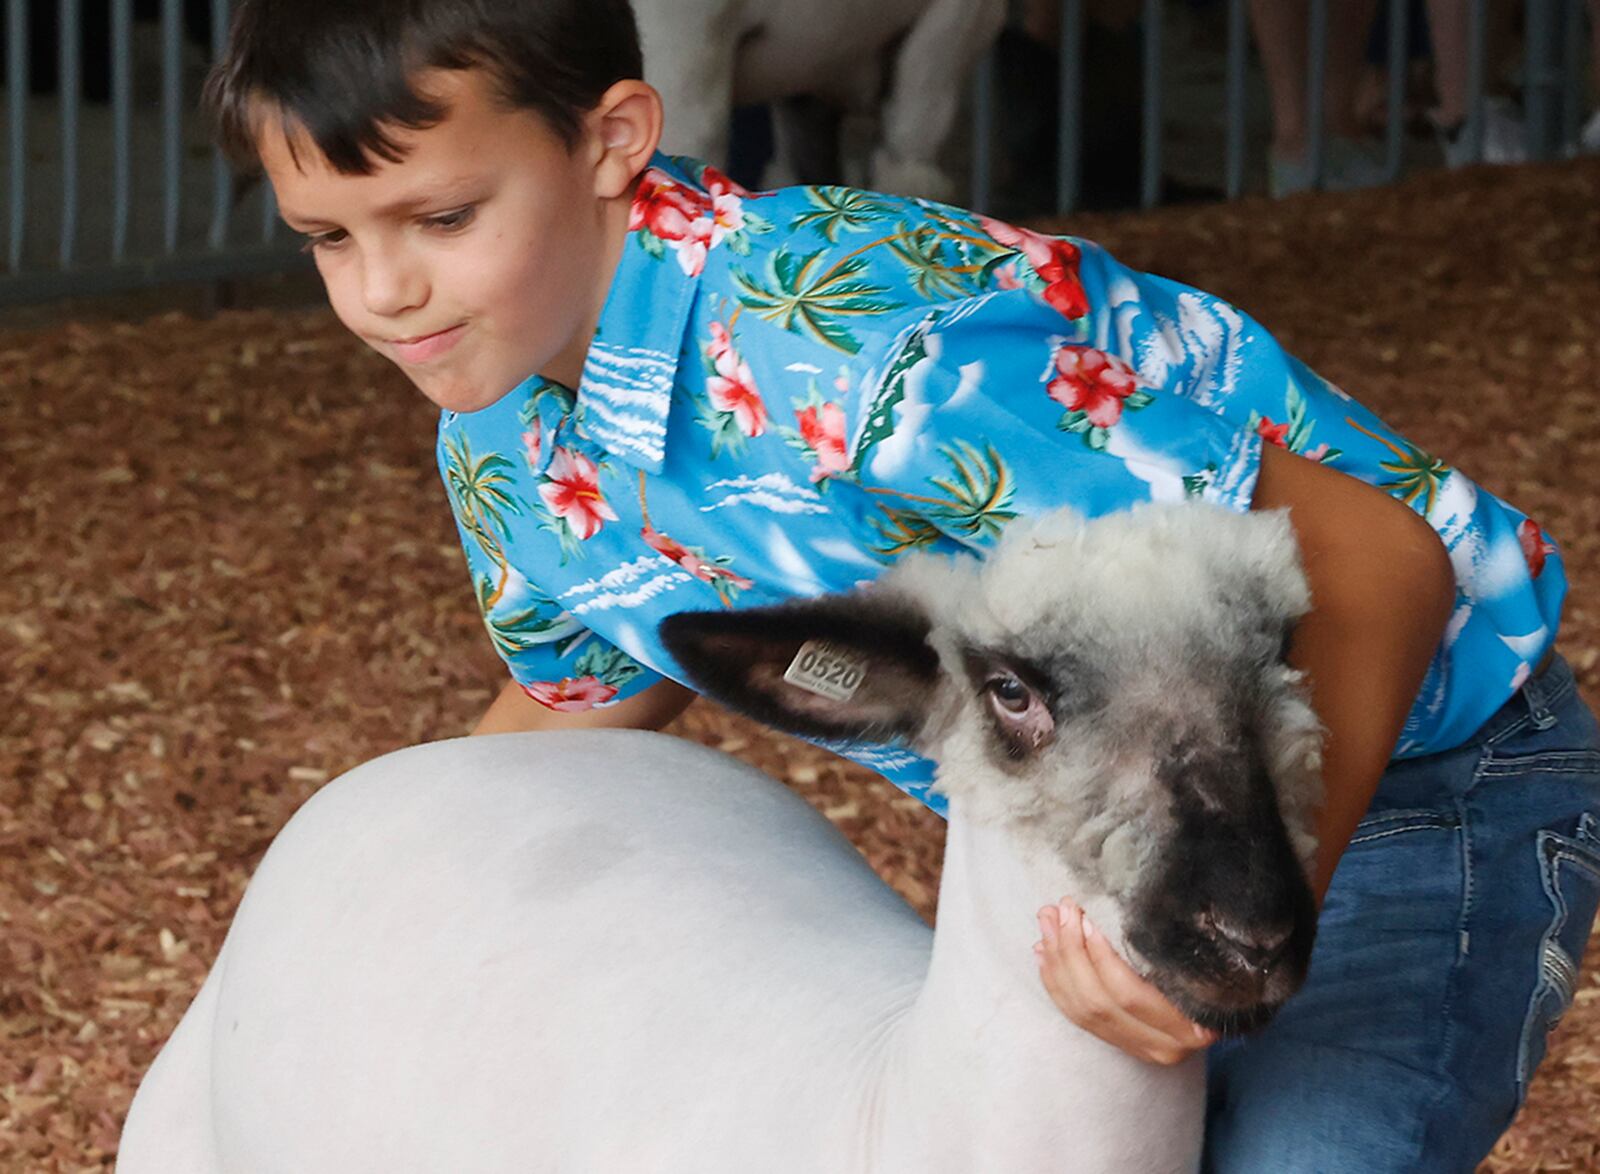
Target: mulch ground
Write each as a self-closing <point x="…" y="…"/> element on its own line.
<point x="228" y="573"/>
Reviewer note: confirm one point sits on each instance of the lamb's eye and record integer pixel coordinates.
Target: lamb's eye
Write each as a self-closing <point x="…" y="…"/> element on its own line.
<point x="1009" y="693"/>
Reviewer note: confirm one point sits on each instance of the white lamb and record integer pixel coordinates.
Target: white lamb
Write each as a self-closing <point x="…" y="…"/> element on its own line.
<point x="704" y="55"/>
<point x="610" y="951"/>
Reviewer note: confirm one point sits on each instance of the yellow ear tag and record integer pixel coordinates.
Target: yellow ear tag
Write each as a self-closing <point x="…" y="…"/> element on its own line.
<point x="827" y="670"/>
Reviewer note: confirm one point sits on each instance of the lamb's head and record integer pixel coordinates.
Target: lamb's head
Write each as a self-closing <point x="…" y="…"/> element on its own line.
<point x="1113" y="693"/>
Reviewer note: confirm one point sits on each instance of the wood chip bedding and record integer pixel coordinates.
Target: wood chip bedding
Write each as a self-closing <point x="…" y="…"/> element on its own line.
<point x="228" y="572"/>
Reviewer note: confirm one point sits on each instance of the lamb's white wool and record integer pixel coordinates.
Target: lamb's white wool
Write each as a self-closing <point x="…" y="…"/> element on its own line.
<point x="1162" y="614"/>
<point x="1159" y="571"/>
<point x="610" y="950"/>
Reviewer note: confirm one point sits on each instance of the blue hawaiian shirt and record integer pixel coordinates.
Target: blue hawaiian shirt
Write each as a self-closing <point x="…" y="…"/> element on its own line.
<point x="789" y="390"/>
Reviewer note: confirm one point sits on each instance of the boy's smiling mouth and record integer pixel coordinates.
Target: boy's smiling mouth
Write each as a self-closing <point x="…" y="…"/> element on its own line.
<point x="420" y="348"/>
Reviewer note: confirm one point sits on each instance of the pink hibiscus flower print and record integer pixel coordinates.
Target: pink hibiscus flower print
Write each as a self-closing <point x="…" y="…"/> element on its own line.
<point x="733" y="388"/>
<point x="1092" y="382"/>
<point x="1277" y="434"/>
<point x="532" y="440"/>
<point x="727" y="204"/>
<point x="822" y="428"/>
<point x="571" y="492"/>
<point x="678" y="215"/>
<point x="571" y="694"/>
<point x="1534" y="547"/>
<point x="691" y="560"/>
<point x="1053" y="259"/>
<point x="719" y="184"/>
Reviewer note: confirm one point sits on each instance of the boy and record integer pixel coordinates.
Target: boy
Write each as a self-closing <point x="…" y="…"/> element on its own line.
<point x="662" y="392"/>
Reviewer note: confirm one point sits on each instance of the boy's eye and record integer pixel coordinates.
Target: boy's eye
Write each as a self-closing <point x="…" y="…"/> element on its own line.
<point x="323" y="240"/>
<point x="460" y="218"/>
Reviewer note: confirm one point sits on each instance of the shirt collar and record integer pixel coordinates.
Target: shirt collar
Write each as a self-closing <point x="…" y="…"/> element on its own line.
<point x="625" y="393"/>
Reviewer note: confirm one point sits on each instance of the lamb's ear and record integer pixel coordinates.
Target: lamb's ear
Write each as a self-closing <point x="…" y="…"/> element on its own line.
<point x="867" y="669"/>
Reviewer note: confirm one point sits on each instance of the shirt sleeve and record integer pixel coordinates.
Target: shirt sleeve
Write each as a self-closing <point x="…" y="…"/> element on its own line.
<point x="558" y="661"/>
<point x="999" y="406"/>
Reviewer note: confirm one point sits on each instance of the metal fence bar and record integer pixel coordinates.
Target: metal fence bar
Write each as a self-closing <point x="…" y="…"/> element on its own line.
<point x="1556" y="47"/>
<point x="70" y="95"/>
<point x="1542" y="84"/>
<point x="1069" y="109"/>
<point x="221" y="173"/>
<point x="121" y="125"/>
<point x="1150" y="123"/>
<point x="1477" y="36"/>
<point x="1316" y="87"/>
<point x="983" y="101"/>
<point x="172" y="120"/>
<point x="1394" y="116"/>
<point x="1573" y="60"/>
<point x="269" y="212"/>
<point x="1238" y="59"/>
<point x="17" y="104"/>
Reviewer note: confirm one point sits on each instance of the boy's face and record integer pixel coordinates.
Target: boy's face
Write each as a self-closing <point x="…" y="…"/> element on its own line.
<point x="476" y="261"/>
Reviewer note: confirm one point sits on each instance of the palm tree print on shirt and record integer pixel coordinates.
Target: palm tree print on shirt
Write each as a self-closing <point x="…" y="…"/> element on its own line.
<point x="1419" y="474"/>
<point x="974" y="509"/>
<point x="803" y="298"/>
<point x="477" y="487"/>
<point x="942" y="255"/>
<point x="479" y="498"/>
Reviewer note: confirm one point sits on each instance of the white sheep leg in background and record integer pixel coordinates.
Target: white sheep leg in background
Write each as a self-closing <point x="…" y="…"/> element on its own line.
<point x="621" y="951"/>
<point x="705" y="55"/>
<point x="689" y="52"/>
<point x="931" y="75"/>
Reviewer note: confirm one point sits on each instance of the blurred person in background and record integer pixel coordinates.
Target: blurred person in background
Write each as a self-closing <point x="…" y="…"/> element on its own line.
<point x="1352" y="157"/>
<point x="1449" y="30"/>
<point x="1504" y="138"/>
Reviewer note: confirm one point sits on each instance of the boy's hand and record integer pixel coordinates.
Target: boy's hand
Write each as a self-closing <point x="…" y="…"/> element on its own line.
<point x="1099" y="992"/>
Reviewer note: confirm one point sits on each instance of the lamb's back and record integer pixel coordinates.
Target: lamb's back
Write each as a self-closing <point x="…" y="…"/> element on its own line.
<point x="540" y="944"/>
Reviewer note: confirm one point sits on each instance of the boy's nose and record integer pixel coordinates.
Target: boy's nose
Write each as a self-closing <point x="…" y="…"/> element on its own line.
<point x="389" y="286"/>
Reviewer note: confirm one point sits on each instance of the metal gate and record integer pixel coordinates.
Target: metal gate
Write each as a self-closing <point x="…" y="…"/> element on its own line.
<point x="110" y="182"/>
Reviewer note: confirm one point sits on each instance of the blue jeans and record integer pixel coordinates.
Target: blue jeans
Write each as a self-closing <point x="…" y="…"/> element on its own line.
<point x="1447" y="948"/>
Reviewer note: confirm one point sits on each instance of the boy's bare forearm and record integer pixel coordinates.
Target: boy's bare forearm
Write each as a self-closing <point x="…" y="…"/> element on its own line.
<point x="513" y="711"/>
<point x="1382" y="591"/>
<point x="1365" y="661"/>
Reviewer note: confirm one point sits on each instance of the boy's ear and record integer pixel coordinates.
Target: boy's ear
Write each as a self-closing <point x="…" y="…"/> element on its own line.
<point x="858" y="667"/>
<point x="624" y="130"/>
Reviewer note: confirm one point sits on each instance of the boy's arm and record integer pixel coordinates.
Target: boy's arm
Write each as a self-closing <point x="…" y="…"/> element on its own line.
<point x="515" y="712"/>
<point x="1382" y="589"/>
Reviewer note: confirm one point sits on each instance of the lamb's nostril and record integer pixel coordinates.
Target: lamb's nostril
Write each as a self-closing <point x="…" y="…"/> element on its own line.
<point x="1254" y="947"/>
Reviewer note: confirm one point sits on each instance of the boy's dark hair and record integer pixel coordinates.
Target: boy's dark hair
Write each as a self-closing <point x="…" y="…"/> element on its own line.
<point x="345" y="70"/>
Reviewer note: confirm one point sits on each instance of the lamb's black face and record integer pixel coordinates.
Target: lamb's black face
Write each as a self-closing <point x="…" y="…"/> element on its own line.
<point x="1227" y="921"/>
<point x="1155" y="783"/>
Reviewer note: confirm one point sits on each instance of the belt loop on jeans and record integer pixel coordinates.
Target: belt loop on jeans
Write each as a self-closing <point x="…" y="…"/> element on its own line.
<point x="1535" y="692"/>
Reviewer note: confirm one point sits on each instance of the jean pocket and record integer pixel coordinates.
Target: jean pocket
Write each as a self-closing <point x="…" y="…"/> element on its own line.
<point x="1569" y="865"/>
<point x="1381" y="825"/>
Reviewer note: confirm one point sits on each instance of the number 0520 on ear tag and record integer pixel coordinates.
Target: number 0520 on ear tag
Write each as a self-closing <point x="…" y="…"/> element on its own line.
<point x="827" y="670"/>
